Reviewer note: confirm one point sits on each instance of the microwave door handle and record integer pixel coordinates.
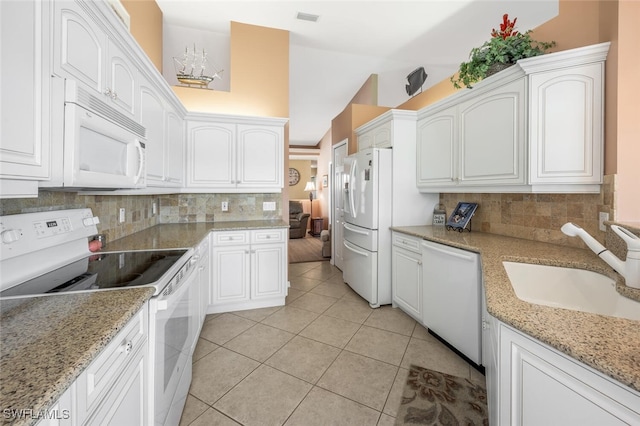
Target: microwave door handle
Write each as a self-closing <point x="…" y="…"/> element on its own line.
<point x="141" y="160"/>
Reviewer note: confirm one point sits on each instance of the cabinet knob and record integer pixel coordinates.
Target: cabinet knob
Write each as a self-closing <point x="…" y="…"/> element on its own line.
<point x="126" y="348"/>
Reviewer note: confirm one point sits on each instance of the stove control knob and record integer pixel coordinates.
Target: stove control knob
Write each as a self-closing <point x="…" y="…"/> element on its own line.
<point x="11" y="235"/>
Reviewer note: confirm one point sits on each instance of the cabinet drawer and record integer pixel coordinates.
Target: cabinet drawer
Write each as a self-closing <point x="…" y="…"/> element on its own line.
<point x="406" y="242"/>
<point x="227" y="238"/>
<point x="267" y="236"/>
<point x="94" y="383"/>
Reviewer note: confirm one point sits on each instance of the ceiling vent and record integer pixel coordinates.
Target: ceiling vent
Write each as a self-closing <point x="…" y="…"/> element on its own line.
<point x="307" y="17"/>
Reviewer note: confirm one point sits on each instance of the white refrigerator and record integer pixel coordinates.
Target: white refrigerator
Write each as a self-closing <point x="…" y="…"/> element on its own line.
<point x="367" y="218"/>
<point x="379" y="192"/>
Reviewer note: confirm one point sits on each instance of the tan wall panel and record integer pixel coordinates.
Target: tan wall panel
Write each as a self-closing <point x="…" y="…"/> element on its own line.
<point x="259" y="76"/>
<point x="146" y="27"/>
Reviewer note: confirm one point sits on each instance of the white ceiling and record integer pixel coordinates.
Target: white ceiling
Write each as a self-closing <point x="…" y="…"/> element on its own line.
<point x="332" y="58"/>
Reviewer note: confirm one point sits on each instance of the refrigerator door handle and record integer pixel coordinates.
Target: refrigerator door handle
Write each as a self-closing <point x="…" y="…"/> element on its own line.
<point x="352" y="193"/>
<point x="348" y="247"/>
<point x="354" y="230"/>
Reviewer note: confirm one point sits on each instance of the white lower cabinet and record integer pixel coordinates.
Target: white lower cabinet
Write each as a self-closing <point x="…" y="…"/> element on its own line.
<point x="406" y="278"/>
<point x="113" y="389"/>
<point x="248" y="269"/>
<point x="530" y="383"/>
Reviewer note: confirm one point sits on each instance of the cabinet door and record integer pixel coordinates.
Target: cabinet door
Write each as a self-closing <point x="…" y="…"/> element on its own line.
<point x="492" y="136"/>
<point x="365" y="140"/>
<point x="436" y="149"/>
<point x="268" y="262"/>
<point x="539" y="386"/>
<point x="260" y="152"/>
<point x="565" y="125"/>
<point x="79" y="46"/>
<point x="205" y="283"/>
<point x="382" y="135"/>
<point x="127" y="402"/>
<point x="211" y="158"/>
<point x="231" y="271"/>
<point x="406" y="268"/>
<point x="121" y="83"/>
<point x="174" y="150"/>
<point x="25" y="87"/>
<point x="152" y="118"/>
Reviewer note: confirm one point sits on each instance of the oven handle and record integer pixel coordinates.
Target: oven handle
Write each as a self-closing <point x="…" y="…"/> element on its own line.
<point x="162" y="305"/>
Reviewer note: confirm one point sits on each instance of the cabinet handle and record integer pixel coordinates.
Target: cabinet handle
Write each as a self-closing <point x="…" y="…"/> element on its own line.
<point x="126" y="348"/>
<point x="114" y="96"/>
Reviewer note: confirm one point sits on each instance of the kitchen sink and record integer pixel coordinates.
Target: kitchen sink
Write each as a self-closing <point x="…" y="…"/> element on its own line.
<point x="570" y="288"/>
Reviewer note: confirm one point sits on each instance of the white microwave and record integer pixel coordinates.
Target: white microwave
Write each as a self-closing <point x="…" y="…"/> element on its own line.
<point x="103" y="149"/>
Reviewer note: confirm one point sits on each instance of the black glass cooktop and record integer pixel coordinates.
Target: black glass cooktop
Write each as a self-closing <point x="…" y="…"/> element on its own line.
<point x="102" y="271"/>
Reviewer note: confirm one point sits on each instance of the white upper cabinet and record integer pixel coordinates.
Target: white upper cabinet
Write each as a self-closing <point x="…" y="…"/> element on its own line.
<point x="492" y="137"/>
<point x="260" y="154"/>
<point x="25" y="104"/>
<point x="152" y="118"/>
<point x="535" y="127"/>
<point x="174" y="149"/>
<point x="231" y="154"/>
<point x="377" y="137"/>
<point x="565" y="125"/>
<point x="83" y="51"/>
<point x="437" y="148"/>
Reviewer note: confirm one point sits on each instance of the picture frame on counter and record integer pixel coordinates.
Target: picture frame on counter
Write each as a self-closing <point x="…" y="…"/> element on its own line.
<point x="461" y="216"/>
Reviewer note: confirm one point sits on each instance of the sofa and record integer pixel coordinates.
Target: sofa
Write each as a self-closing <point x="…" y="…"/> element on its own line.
<point x="298" y="220"/>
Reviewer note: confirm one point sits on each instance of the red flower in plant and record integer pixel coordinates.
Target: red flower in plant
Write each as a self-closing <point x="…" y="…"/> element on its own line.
<point x="506" y="28"/>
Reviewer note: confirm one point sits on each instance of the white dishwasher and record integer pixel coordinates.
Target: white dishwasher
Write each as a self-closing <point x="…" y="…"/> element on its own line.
<point x="451" y="297"/>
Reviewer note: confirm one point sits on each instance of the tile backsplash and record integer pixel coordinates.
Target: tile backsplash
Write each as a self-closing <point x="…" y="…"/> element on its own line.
<point x="529" y="216"/>
<point x="181" y="208"/>
<point x="538" y="216"/>
<point x="174" y="208"/>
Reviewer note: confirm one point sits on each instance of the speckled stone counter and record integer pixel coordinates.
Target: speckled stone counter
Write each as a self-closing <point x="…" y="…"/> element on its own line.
<point x="184" y="235"/>
<point x="46" y="342"/>
<point x="609" y="345"/>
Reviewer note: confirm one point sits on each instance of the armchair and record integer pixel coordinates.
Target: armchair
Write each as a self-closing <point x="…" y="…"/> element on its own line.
<point x="297" y="220"/>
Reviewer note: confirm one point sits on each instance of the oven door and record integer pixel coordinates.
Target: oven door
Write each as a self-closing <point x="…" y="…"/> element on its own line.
<point x="173" y="335"/>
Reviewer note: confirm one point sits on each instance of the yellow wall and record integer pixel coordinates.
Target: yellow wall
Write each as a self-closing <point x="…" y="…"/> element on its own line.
<point x="352" y="117"/>
<point x="259" y="76"/>
<point x="627" y="123"/>
<point x="146" y="27"/>
<point x="296" y="192"/>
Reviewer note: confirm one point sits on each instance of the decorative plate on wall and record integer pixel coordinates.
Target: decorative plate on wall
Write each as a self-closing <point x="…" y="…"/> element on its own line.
<point x="294" y="176"/>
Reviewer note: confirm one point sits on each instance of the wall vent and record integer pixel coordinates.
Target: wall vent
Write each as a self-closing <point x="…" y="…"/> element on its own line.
<point x="307" y="17"/>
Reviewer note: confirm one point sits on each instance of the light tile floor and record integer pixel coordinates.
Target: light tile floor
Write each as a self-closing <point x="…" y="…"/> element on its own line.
<point x="325" y="358"/>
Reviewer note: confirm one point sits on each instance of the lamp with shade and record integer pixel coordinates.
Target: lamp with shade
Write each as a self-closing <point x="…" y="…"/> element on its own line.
<point x="310" y="187"/>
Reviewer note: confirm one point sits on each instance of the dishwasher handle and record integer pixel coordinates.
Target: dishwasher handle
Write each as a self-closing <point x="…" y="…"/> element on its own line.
<point x="468" y="257"/>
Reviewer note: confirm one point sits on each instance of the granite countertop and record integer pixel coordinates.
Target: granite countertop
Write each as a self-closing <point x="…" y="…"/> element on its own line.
<point x="47" y="341"/>
<point x="607" y="344"/>
<point x="184" y="235"/>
